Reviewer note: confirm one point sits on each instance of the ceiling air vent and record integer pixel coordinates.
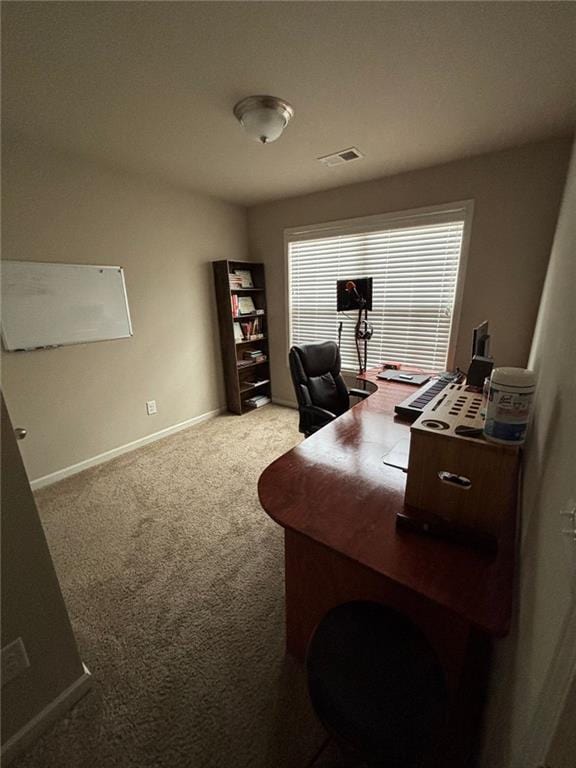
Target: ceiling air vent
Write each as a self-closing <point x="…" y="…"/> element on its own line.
<point x="339" y="158"/>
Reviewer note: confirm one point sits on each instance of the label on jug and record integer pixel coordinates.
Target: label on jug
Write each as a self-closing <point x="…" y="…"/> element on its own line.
<point x="507" y="415"/>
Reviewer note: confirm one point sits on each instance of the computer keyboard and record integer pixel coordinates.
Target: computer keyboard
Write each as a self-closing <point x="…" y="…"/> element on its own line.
<point x="413" y="406"/>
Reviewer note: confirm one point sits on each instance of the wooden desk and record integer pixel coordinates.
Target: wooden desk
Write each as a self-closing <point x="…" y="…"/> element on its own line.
<point x="337" y="502"/>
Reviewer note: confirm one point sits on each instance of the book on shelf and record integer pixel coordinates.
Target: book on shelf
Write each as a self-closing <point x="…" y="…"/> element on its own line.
<point x="251" y="331"/>
<point x="258" y="401"/>
<point x="238" y="335"/>
<point x="252" y="354"/>
<point x="251" y="360"/>
<point x="235" y="280"/>
<point x="261" y="359"/>
<point x="245" y="278"/>
<point x="234" y="301"/>
<point x="246" y="305"/>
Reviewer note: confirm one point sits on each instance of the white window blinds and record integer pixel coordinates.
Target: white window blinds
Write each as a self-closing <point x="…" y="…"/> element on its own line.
<point x="414" y="262"/>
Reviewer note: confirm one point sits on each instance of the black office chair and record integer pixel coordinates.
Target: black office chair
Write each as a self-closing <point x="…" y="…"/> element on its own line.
<point x="320" y="389"/>
<point x="377" y="686"/>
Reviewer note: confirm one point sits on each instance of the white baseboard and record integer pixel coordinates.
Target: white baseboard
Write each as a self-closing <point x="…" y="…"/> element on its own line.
<point x="286" y="403"/>
<point x="34" y="727"/>
<point x="60" y="474"/>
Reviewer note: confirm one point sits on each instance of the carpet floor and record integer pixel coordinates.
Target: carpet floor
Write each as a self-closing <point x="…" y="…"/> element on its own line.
<point x="173" y="578"/>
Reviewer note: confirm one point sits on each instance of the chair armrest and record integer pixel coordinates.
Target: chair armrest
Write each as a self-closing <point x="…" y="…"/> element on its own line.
<point x="359" y="393"/>
<point x="315" y="409"/>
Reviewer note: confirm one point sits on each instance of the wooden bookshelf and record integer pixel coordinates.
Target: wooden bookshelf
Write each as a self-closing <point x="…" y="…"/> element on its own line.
<point x="239" y="380"/>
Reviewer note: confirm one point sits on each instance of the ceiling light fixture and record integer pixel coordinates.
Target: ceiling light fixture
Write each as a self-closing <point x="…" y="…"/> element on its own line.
<point x="263" y="117"/>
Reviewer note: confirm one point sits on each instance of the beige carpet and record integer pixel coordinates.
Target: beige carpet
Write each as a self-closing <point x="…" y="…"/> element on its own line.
<point x="173" y="577"/>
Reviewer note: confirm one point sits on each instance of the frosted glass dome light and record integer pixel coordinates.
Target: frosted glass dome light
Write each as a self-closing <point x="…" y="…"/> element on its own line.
<point x="263" y="117"/>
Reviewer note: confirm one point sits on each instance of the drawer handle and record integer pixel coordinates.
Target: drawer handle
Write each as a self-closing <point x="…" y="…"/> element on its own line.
<point x="458" y="481"/>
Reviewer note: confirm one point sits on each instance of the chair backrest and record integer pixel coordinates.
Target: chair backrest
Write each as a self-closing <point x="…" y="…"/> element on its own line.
<point x="316" y="376"/>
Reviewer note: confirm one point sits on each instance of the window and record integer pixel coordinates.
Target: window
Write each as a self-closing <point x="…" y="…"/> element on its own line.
<point x="416" y="262"/>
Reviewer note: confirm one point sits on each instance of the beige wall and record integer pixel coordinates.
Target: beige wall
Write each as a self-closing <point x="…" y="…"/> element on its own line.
<point x="516" y="194"/>
<point x="32" y="604"/>
<point x="533" y="664"/>
<point x="80" y="401"/>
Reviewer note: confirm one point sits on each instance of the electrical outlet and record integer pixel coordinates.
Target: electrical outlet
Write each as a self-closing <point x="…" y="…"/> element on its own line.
<point x="151" y="407"/>
<point x="14" y="660"/>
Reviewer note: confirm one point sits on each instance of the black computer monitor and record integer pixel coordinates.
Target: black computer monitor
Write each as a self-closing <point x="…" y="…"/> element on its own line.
<point x="354" y="294"/>
<point x="481" y="340"/>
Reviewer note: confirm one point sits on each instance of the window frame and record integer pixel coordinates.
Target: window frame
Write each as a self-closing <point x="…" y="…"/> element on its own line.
<point x="374" y="223"/>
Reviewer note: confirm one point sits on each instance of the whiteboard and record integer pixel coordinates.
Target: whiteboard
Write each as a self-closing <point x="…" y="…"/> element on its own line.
<point x="47" y="305"/>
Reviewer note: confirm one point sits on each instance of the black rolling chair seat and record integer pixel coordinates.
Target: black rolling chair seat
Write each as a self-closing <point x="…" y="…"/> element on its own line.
<point x="376" y="685"/>
<point x="320" y="389"/>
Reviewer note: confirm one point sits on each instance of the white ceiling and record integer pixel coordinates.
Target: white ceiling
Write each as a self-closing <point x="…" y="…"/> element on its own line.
<point x="151" y="86"/>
